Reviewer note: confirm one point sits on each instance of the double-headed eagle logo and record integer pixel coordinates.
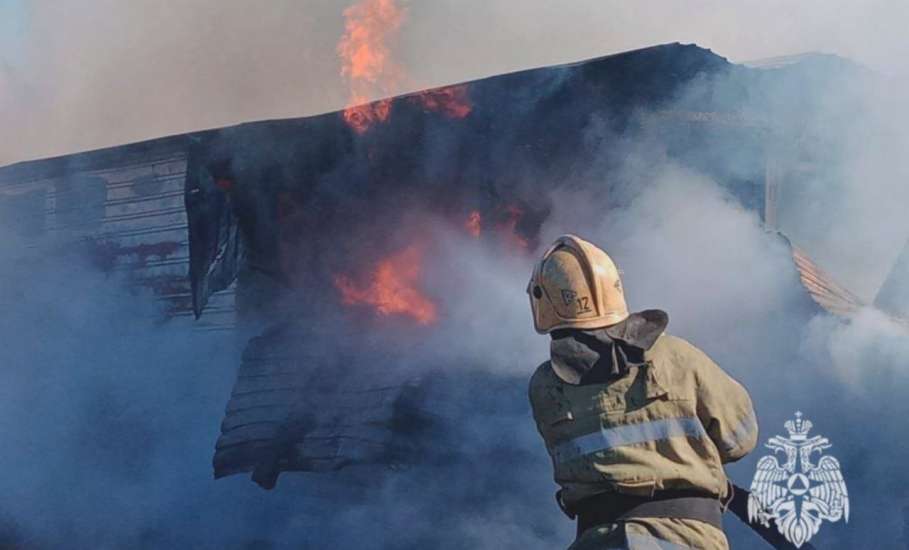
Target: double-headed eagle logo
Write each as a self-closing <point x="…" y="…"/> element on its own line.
<point x="798" y="495"/>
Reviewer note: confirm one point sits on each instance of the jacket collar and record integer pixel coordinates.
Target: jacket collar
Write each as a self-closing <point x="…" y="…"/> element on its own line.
<point x="597" y="355"/>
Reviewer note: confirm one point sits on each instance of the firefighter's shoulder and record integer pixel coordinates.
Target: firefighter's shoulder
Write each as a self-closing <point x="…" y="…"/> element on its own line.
<point x="543" y="377"/>
<point x="679" y="359"/>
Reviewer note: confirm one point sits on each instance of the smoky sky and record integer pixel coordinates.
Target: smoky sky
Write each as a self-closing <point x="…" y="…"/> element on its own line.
<point x="78" y="76"/>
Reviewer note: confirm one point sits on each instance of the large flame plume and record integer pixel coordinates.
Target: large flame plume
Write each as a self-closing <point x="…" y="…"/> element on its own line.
<point x="366" y="60"/>
<point x="370" y="70"/>
<point x="393" y="288"/>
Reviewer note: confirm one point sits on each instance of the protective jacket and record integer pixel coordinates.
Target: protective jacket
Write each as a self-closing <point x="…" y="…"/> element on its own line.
<point x="651" y="413"/>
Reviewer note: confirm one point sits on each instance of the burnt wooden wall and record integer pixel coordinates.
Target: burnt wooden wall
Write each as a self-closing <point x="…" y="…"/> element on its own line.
<point x="123" y="208"/>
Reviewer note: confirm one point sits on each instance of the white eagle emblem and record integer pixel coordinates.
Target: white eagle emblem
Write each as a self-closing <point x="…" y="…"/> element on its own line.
<point x="798" y="495"/>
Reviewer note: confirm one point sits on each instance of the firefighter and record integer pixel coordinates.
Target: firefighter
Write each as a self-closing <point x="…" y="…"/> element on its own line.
<point x="638" y="423"/>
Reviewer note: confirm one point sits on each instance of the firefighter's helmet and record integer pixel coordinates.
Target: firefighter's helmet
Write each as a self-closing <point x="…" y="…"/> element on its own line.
<point x="575" y="285"/>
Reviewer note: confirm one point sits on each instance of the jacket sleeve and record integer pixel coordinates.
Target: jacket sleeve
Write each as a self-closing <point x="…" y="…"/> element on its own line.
<point x="536" y="392"/>
<point x="724" y="408"/>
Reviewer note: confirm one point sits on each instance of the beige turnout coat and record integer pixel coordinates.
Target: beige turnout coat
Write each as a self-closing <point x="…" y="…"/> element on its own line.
<point x="670" y="423"/>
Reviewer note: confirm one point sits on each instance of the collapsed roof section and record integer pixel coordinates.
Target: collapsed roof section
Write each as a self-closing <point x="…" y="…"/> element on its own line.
<point x="299" y="404"/>
<point x="823" y="289"/>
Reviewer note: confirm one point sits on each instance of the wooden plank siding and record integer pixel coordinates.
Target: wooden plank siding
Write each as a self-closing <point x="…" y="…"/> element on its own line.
<point x="126" y="203"/>
<point x="294" y="409"/>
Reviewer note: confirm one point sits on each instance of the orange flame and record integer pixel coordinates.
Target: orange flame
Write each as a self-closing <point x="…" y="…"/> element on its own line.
<point x="361" y="117"/>
<point x="392" y="289"/>
<point x="474" y="224"/>
<point x="451" y="101"/>
<point x="366" y="59"/>
<point x="506" y="226"/>
<point x="510" y="225"/>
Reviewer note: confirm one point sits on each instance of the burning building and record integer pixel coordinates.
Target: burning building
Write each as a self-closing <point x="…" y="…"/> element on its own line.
<point x="319" y="232"/>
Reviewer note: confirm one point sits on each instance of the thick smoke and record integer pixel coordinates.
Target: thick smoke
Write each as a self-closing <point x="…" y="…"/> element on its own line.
<point x="112" y="416"/>
<point x="730" y="287"/>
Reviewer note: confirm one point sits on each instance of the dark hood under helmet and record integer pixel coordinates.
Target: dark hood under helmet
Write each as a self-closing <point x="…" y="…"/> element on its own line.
<point x="598" y="355"/>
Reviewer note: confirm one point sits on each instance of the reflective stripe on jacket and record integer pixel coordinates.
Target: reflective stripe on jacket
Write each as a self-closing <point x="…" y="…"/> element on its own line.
<point x="669" y="424"/>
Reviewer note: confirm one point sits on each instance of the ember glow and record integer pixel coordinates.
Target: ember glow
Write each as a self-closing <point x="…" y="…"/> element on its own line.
<point x="393" y="288"/>
<point x="366" y="59"/>
<point x="361" y="117"/>
<point x="451" y="101"/>
<point x="474" y="224"/>
<point x="504" y="224"/>
<point x="510" y="227"/>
